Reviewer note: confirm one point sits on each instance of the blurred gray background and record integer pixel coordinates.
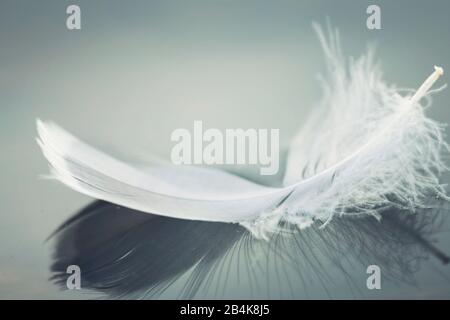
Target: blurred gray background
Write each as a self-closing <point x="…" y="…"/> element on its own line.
<point x="137" y="70"/>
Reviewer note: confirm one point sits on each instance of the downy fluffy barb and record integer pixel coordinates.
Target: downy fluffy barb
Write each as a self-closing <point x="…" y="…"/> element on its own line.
<point x="365" y="148"/>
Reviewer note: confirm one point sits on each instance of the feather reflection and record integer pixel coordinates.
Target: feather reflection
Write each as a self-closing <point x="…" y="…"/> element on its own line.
<point x="124" y="253"/>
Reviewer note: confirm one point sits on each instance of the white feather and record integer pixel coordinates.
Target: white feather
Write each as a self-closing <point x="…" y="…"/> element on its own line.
<point x="365" y="147"/>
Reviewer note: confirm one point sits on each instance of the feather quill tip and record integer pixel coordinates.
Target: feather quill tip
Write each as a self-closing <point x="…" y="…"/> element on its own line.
<point x="439" y="70"/>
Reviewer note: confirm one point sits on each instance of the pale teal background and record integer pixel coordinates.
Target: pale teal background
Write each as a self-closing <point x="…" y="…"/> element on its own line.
<point x="139" y="69"/>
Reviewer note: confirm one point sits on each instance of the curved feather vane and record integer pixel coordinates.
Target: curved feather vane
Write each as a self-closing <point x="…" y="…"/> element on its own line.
<point x="181" y="192"/>
<point x="366" y="147"/>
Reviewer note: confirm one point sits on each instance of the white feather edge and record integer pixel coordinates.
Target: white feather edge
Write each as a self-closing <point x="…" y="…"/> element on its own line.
<point x="180" y="192"/>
